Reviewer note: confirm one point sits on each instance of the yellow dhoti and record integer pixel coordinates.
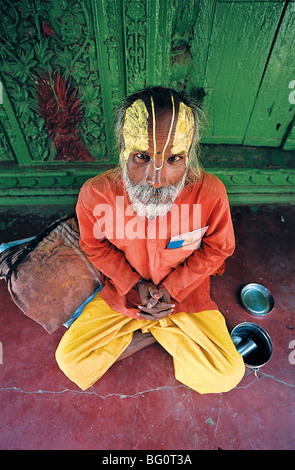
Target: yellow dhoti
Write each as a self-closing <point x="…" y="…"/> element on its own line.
<point x="205" y="359"/>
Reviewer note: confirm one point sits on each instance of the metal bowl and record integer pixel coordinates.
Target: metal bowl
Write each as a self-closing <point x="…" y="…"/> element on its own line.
<point x="249" y="333"/>
<point x="257" y="300"/>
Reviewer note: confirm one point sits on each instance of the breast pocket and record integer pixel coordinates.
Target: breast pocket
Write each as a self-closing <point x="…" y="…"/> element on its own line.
<point x="174" y="254"/>
<point x="174" y="257"/>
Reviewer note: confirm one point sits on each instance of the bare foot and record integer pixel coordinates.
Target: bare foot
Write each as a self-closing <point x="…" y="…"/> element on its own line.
<point x="138" y="342"/>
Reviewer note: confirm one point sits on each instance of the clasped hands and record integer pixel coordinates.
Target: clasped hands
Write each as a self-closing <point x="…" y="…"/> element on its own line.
<point x="155" y="301"/>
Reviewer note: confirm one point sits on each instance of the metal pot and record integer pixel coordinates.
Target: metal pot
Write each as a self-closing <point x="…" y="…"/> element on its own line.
<point x="254" y="344"/>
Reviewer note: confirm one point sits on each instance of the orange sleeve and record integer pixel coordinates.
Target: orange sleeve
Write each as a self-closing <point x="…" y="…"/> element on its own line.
<point x="217" y="245"/>
<point x="102" y="253"/>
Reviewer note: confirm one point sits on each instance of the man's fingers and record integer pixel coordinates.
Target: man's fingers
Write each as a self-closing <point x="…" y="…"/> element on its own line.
<point x="144" y="293"/>
<point x="148" y="292"/>
<point x="146" y="316"/>
<point x="154" y="293"/>
<point x="160" y="307"/>
<point x="152" y="303"/>
<point x="153" y="317"/>
<point x="163" y="293"/>
<point x="153" y="296"/>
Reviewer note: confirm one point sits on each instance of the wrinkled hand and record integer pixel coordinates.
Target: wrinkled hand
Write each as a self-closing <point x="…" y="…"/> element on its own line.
<point x="155" y="301"/>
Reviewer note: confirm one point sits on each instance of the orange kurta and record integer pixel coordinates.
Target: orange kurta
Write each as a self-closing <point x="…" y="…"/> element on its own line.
<point x="126" y="247"/>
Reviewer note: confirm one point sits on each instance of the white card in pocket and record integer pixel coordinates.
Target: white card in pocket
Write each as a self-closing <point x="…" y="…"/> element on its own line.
<point x="186" y="239"/>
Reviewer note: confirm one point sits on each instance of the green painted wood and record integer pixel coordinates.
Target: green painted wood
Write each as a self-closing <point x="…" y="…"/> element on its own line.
<point x="272" y="111"/>
<point x="201" y="41"/>
<point x="158" y="42"/>
<point x="11" y="128"/>
<point x="241" y="38"/>
<point x="134" y="17"/>
<point x="242" y="157"/>
<point x="107" y="27"/>
<point x="40" y="40"/>
<point x="182" y="59"/>
<point x="245" y="186"/>
<point x="237" y="52"/>
<point x="289" y="144"/>
<point x="6" y="154"/>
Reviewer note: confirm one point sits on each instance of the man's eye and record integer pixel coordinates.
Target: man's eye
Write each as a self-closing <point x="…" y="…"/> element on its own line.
<point x="142" y="157"/>
<point x="175" y="158"/>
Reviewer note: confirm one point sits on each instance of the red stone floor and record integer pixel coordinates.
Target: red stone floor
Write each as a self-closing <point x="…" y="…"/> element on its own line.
<point x="138" y="404"/>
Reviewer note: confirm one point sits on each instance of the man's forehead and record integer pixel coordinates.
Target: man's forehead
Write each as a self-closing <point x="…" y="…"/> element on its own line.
<point x="135" y="128"/>
<point x="141" y="121"/>
<point x="184" y="131"/>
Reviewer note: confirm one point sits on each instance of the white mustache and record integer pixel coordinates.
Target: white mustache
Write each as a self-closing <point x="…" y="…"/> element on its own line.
<point x="151" y="202"/>
<point x="150" y="195"/>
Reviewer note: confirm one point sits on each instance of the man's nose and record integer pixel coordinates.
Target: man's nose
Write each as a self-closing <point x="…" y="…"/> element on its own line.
<point x="157" y="173"/>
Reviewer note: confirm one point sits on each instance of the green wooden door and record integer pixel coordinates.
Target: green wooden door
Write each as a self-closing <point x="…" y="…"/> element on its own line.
<point x="66" y="64"/>
<point x="248" y="71"/>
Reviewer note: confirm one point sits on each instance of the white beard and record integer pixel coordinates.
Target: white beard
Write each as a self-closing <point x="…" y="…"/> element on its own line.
<point x="144" y="201"/>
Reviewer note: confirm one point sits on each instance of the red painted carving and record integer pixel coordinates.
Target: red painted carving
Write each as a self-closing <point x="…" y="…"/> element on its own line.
<point x="59" y="106"/>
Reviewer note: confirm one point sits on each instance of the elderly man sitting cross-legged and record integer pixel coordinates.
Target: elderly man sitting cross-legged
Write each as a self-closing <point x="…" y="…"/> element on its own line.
<point x="156" y="227"/>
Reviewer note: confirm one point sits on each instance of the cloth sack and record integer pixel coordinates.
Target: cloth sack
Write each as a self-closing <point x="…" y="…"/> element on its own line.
<point x="49" y="277"/>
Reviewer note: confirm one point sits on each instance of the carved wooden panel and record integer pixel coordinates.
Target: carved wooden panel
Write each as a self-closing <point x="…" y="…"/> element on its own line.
<point x="66" y="64"/>
<point x="49" y="47"/>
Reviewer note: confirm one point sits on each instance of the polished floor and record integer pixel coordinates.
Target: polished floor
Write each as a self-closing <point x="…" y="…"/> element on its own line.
<point x="138" y="404"/>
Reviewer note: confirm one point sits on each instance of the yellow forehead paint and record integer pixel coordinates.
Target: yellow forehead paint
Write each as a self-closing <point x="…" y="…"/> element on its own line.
<point x="184" y="130"/>
<point x="135" y="129"/>
<point x="154" y="132"/>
